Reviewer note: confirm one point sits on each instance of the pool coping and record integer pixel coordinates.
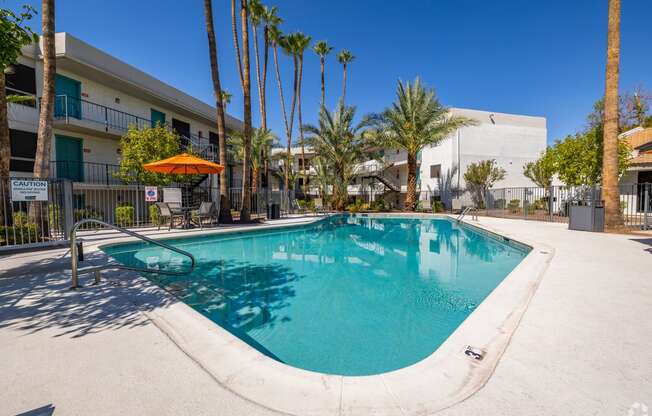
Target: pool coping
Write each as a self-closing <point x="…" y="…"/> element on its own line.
<point x="442" y="379"/>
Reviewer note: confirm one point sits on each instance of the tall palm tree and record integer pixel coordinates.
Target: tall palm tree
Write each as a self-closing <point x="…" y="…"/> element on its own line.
<point x="322" y="49"/>
<point x="277" y="39"/>
<point x="342" y="145"/>
<point x="261" y="144"/>
<point x="225" y="203"/>
<point x="610" y="193"/>
<point x="288" y="45"/>
<point x="300" y="44"/>
<point x="226" y="98"/>
<point x="46" y="112"/>
<point x="257" y="16"/>
<point x="244" y="69"/>
<point x="345" y="57"/>
<point x="415" y="120"/>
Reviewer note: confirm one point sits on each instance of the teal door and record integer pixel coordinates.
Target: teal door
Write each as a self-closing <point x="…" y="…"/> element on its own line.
<point x="70" y="161"/>
<point x="68" y="97"/>
<point x="157" y="117"/>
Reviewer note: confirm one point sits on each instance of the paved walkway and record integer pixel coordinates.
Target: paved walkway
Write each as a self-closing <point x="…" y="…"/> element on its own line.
<point x="583" y="346"/>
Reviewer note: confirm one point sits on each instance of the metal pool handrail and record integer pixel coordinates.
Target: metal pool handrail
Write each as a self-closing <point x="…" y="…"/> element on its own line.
<point x="472" y="210"/>
<point x="96" y="269"/>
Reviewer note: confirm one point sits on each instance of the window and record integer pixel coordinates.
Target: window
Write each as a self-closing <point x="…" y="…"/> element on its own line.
<point x="435" y="171"/>
<point x="23" y="150"/>
<point x="21" y="82"/>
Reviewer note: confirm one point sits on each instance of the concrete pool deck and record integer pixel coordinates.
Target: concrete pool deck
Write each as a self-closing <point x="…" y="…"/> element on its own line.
<point x="582" y="347"/>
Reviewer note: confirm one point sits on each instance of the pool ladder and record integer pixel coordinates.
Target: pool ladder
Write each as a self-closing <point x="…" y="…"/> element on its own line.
<point x="468" y="210"/>
<point x="77" y="255"/>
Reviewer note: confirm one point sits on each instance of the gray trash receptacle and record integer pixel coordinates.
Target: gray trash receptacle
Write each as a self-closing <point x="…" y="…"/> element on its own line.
<point x="589" y="217"/>
<point x="273" y="211"/>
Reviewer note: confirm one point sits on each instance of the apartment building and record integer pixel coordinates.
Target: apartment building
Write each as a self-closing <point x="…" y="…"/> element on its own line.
<point x="97" y="98"/>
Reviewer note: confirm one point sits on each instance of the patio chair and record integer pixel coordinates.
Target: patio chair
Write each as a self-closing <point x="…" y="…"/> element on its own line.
<point x="206" y="210"/>
<point x="295" y="207"/>
<point x="165" y="213"/>
<point x="319" y="206"/>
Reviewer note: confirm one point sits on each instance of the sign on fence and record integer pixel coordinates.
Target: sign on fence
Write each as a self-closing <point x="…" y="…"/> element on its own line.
<point x="29" y="190"/>
<point x="151" y="193"/>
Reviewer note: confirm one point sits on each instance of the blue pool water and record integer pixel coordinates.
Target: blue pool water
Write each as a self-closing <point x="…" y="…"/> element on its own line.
<point x="347" y="295"/>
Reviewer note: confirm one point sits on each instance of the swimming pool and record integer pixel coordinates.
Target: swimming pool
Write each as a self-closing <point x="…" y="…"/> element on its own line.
<point x="348" y="295"/>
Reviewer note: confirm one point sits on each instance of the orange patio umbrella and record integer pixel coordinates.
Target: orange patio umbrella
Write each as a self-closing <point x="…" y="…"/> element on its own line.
<point x="184" y="164"/>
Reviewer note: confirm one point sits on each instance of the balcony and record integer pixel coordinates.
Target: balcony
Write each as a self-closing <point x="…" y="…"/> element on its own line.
<point x="86" y="116"/>
<point x="87" y="172"/>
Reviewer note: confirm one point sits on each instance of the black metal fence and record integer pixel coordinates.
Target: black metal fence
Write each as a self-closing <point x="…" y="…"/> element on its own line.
<point x="553" y="204"/>
<point x="30" y="222"/>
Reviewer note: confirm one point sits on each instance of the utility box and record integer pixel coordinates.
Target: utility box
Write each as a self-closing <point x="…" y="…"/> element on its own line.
<point x="273" y="211"/>
<point x="587" y="216"/>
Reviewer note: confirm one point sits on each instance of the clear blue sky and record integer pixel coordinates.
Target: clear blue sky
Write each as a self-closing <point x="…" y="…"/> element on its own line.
<point x="535" y="57"/>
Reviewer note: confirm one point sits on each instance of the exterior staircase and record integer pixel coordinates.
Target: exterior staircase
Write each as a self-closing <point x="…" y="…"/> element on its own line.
<point x="379" y="173"/>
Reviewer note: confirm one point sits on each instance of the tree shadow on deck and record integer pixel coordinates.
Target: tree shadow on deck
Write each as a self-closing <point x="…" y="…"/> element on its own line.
<point x="646" y="241"/>
<point x="39" y="298"/>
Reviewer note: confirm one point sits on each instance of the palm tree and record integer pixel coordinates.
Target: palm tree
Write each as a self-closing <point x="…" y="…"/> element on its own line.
<point x="277" y="39"/>
<point x="300" y="43"/>
<point x="342" y="145"/>
<point x="225" y="203"/>
<point x="46" y="113"/>
<point x="226" y="98"/>
<point x="288" y="45"/>
<point x="257" y="16"/>
<point x="610" y="192"/>
<point x="415" y="120"/>
<point x="345" y="57"/>
<point x="287" y="168"/>
<point x="245" y="82"/>
<point x="322" y="49"/>
<point x="261" y="144"/>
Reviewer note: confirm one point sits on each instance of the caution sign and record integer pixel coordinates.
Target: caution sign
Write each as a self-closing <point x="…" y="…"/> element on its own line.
<point x="29" y="190"/>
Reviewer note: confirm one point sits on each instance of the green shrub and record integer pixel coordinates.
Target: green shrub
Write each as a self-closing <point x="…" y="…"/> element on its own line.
<point x="437" y="206"/>
<point x="16" y="234"/>
<point x="153" y="214"/>
<point x="514" y="205"/>
<point x="357" y="206"/>
<point x="378" y="205"/>
<point x="124" y="215"/>
<point x="20" y="219"/>
<point x="541" y="204"/>
<point x="55" y="215"/>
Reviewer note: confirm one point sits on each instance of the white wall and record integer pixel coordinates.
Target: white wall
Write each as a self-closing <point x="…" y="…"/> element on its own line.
<point x="511" y="140"/>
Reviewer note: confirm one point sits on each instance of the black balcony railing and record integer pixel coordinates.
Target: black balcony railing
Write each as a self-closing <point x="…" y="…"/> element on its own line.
<point x="70" y="108"/>
<point x="89" y="172"/>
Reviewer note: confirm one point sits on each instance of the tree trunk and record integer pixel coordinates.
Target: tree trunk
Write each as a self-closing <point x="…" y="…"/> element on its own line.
<point x="5" y="149"/>
<point x="46" y="114"/>
<point x="236" y="44"/>
<point x="263" y="121"/>
<point x="303" y="150"/>
<point x="259" y="79"/>
<point x="323" y="82"/>
<point x="411" y="196"/>
<point x="245" y="212"/>
<point x="279" y="84"/>
<point x="225" y="203"/>
<point x="344" y="85"/>
<point x="255" y="173"/>
<point x="5" y="143"/>
<point x="610" y="193"/>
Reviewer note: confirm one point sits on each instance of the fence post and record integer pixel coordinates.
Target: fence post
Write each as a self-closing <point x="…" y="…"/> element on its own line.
<point x="646" y="206"/>
<point x="68" y="206"/>
<point x="551" y="202"/>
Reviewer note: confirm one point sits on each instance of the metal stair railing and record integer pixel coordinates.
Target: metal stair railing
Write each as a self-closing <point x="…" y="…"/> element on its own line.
<point x="467" y="210"/>
<point x="75" y="258"/>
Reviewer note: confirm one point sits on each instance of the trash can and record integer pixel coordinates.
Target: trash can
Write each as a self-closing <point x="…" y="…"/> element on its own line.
<point x="586" y="216"/>
<point x="273" y="211"/>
